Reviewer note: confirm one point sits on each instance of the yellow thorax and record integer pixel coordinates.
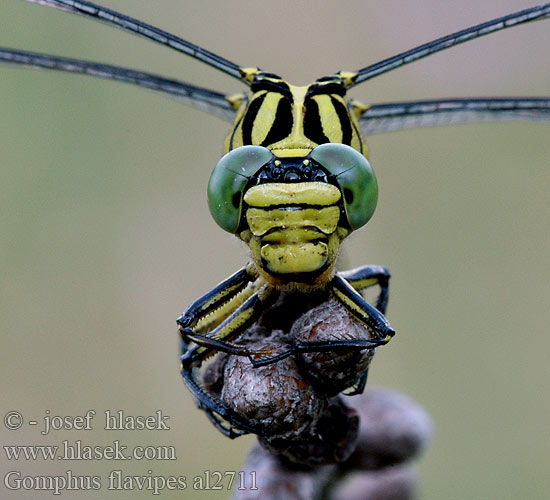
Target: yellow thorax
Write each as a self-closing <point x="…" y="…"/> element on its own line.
<point x="291" y="120"/>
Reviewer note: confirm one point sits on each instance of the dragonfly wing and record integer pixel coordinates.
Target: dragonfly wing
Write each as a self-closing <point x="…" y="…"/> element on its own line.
<point x="139" y="28"/>
<point x="537" y="13"/>
<point x="404" y="115"/>
<point x="204" y="99"/>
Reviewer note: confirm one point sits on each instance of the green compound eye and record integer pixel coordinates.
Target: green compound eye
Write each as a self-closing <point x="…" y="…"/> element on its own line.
<point x="228" y="179"/>
<point x="355" y="177"/>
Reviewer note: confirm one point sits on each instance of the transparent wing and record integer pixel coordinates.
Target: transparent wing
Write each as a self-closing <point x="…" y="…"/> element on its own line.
<point x="403" y="115"/>
<point x="203" y="99"/>
<point x="113" y="18"/>
<point x="525" y="16"/>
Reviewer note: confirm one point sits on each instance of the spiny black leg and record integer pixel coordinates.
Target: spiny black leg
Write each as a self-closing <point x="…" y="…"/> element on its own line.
<point x="218" y="296"/>
<point x="230" y="327"/>
<point x="211" y="343"/>
<point x="220" y="424"/>
<point x="210" y="405"/>
<point x="361" y="309"/>
<point x="360" y="386"/>
<point x="319" y="346"/>
<point x="338" y="345"/>
<point x="264" y="361"/>
<point x="367" y="276"/>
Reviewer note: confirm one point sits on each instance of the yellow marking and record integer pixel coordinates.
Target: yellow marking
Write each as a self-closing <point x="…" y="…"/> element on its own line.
<point x="249" y="74"/>
<point x="260" y="221"/>
<point x="231" y="329"/>
<point x="364" y="283"/>
<point x="236" y="100"/>
<point x="220" y="296"/>
<point x="300" y="193"/>
<point x="342" y="233"/>
<point x="291" y="153"/>
<point x="330" y="122"/>
<point x="234" y="138"/>
<point x="296" y="139"/>
<point x="267" y="111"/>
<point x="293" y="236"/>
<point x="347" y="77"/>
<point x="215" y="317"/>
<point x="295" y="250"/>
<point x="358" y="312"/>
<point x="358" y="108"/>
<point x="228" y="332"/>
<point x="295" y="258"/>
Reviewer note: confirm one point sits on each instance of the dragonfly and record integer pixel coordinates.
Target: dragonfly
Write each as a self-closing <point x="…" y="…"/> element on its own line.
<point x="294" y="182"/>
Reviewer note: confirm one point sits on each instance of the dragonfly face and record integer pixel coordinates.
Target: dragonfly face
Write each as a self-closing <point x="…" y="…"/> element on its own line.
<point x="293" y="211"/>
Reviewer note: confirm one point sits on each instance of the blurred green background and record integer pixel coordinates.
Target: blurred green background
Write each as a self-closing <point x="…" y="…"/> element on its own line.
<point x="105" y="236"/>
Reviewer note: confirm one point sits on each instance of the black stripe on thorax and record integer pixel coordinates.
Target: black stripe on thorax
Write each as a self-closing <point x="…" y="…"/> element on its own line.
<point x="250" y="117"/>
<point x="343" y="116"/>
<point x="282" y="124"/>
<point x="332" y="88"/>
<point x="313" y="128"/>
<point x="278" y="87"/>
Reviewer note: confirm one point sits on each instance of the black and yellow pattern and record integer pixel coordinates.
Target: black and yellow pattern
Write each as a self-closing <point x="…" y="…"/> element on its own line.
<point x="294" y="183"/>
<point x="291" y="120"/>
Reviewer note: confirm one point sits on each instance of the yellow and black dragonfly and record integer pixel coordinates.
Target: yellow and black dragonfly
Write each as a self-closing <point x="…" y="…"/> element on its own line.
<point x="294" y="182"/>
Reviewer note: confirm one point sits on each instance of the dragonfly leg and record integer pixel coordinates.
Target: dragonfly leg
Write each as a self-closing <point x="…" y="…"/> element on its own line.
<point x="344" y="288"/>
<point x="318" y="346"/>
<point x="225" y="420"/>
<point x="366" y="313"/>
<point x="360" y="385"/>
<point x="218" y="340"/>
<point x="218" y="297"/>
<point x="364" y="277"/>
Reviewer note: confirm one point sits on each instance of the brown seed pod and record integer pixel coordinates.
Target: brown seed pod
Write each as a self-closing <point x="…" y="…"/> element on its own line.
<point x="274" y="398"/>
<point x="332" y="370"/>
<point x="330" y="438"/>
<point x="291" y="401"/>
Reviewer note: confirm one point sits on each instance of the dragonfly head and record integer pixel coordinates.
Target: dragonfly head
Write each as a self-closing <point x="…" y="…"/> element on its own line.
<point x="293" y="212"/>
